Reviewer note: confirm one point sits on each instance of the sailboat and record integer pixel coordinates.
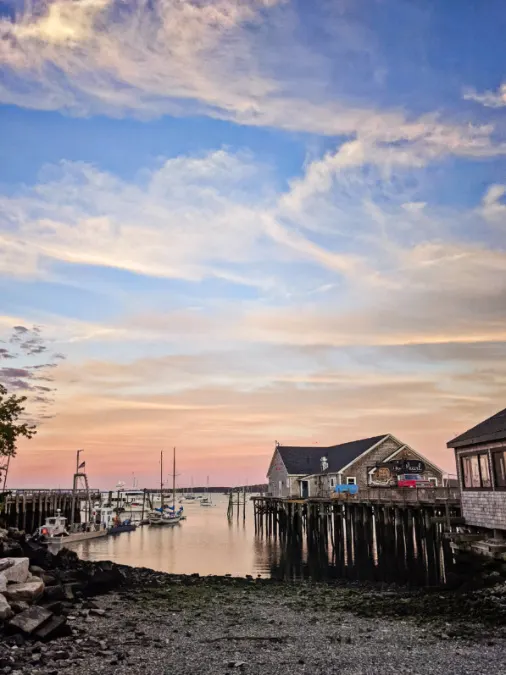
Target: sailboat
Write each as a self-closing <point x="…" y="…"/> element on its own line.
<point x="207" y="500"/>
<point x="166" y="515"/>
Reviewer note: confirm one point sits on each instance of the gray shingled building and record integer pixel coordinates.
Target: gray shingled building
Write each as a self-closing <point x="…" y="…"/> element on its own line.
<point x="314" y="471"/>
<point x="480" y="454"/>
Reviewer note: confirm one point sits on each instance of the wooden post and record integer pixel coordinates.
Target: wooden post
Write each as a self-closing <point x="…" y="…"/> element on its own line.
<point x="349" y="537"/>
<point x="143" y="504"/>
<point x="39" y="515"/>
<point x="24" y="512"/>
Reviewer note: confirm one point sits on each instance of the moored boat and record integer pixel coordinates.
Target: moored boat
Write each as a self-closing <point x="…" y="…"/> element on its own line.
<point x="55" y="531"/>
<point x="166" y="515"/>
<point x="207" y="500"/>
<point x="118" y="526"/>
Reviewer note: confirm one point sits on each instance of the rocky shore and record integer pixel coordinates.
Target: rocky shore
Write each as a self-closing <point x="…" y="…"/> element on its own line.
<point x="104" y="618"/>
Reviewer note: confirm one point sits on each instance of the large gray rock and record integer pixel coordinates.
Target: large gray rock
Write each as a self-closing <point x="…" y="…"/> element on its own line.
<point x="3" y="582"/>
<point x="17" y="571"/>
<point x="56" y="626"/>
<point x="30" y="620"/>
<point x="29" y="591"/>
<point x="5" y="609"/>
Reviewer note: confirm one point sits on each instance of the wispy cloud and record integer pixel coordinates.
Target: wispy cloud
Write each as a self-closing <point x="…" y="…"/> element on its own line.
<point x="493" y="206"/>
<point x="31" y="362"/>
<point x="188" y="218"/>
<point x="490" y="99"/>
<point x="237" y="60"/>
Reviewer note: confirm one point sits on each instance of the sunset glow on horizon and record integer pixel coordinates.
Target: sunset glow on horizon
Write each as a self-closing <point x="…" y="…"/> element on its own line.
<point x="226" y="223"/>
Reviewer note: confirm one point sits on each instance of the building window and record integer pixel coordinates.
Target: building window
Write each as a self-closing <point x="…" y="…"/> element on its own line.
<point x="433" y="481"/>
<point x="485" y="471"/>
<point x="281" y="486"/>
<point x="332" y="482"/>
<point x="499" y="462"/>
<point x="351" y="480"/>
<point x="476" y="471"/>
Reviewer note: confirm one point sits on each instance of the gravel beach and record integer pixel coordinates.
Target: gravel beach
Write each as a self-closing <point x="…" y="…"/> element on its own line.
<point x="183" y="625"/>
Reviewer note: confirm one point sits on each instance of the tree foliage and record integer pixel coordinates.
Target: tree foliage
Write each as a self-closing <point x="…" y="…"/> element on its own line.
<point x="12" y="426"/>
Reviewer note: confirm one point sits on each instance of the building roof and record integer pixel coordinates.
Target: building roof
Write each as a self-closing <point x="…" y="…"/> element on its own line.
<point x="492" y="429"/>
<point x="306" y="460"/>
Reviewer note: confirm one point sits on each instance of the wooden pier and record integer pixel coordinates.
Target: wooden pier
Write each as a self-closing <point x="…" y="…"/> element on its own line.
<point x="27" y="509"/>
<point x="237" y="503"/>
<point x="377" y="534"/>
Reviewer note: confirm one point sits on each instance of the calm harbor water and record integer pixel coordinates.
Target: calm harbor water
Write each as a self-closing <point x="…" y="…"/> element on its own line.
<point x="206" y="542"/>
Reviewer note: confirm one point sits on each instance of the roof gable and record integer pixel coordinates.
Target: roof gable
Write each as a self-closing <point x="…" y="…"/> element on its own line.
<point x="413" y="452"/>
<point x="491" y="429"/>
<point x="303" y="460"/>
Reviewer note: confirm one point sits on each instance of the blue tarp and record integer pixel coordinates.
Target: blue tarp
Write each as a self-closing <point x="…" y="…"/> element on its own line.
<point x="169" y="508"/>
<point x="351" y="489"/>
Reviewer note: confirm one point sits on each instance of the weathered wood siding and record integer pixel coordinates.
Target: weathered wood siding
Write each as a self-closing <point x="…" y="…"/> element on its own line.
<point x="360" y="468"/>
<point x="279" y="485"/>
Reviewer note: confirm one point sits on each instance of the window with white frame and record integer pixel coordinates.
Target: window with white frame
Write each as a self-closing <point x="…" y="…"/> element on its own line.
<point x="351" y="480"/>
<point x="332" y="482"/>
<point x="433" y="481"/>
<point x="281" y="486"/>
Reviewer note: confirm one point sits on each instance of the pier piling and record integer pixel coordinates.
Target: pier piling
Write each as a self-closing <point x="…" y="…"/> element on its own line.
<point x="397" y="540"/>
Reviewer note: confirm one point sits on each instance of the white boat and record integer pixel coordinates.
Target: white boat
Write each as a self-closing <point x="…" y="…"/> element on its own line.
<point x="132" y="501"/>
<point x="166" y="515"/>
<point x="163" y="517"/>
<point x="207" y="500"/>
<point x="55" y="531"/>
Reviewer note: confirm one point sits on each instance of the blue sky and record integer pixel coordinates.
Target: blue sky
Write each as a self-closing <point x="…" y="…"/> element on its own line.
<point x="252" y="220"/>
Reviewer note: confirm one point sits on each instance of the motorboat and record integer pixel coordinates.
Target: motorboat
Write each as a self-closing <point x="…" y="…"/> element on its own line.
<point x="56" y="531"/>
<point x="119" y="526"/>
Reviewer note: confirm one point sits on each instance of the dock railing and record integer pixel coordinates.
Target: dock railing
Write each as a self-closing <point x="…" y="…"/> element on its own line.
<point x="30" y="492"/>
<point x="379" y="495"/>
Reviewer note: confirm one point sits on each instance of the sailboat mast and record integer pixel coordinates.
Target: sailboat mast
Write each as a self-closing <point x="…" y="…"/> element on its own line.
<point x="161" y="478"/>
<point x="174" y="481"/>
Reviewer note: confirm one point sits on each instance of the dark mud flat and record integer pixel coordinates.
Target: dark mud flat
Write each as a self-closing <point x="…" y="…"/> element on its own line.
<point x="161" y="624"/>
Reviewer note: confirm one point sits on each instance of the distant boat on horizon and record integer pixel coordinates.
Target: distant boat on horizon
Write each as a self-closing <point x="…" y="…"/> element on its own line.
<point x="207" y="500"/>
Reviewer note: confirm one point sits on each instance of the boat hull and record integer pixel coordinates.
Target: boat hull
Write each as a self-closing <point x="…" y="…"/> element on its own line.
<point x="122" y="528"/>
<point x="76" y="536"/>
<point x="164" y="522"/>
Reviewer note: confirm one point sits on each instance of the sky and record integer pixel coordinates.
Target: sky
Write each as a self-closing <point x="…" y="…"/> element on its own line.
<point x="225" y="223"/>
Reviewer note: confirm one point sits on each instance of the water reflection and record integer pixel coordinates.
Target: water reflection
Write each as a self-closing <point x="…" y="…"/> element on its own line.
<point x="408" y="550"/>
<point x="205" y="543"/>
<point x="208" y="543"/>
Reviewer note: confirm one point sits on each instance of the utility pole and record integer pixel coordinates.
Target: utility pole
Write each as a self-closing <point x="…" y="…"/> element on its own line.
<point x="174" y="481"/>
<point x="74" y="487"/>
<point x="161" y="479"/>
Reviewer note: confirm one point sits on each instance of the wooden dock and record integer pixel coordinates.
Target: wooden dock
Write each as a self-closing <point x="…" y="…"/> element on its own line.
<point x="28" y="509"/>
<point x="378" y="533"/>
